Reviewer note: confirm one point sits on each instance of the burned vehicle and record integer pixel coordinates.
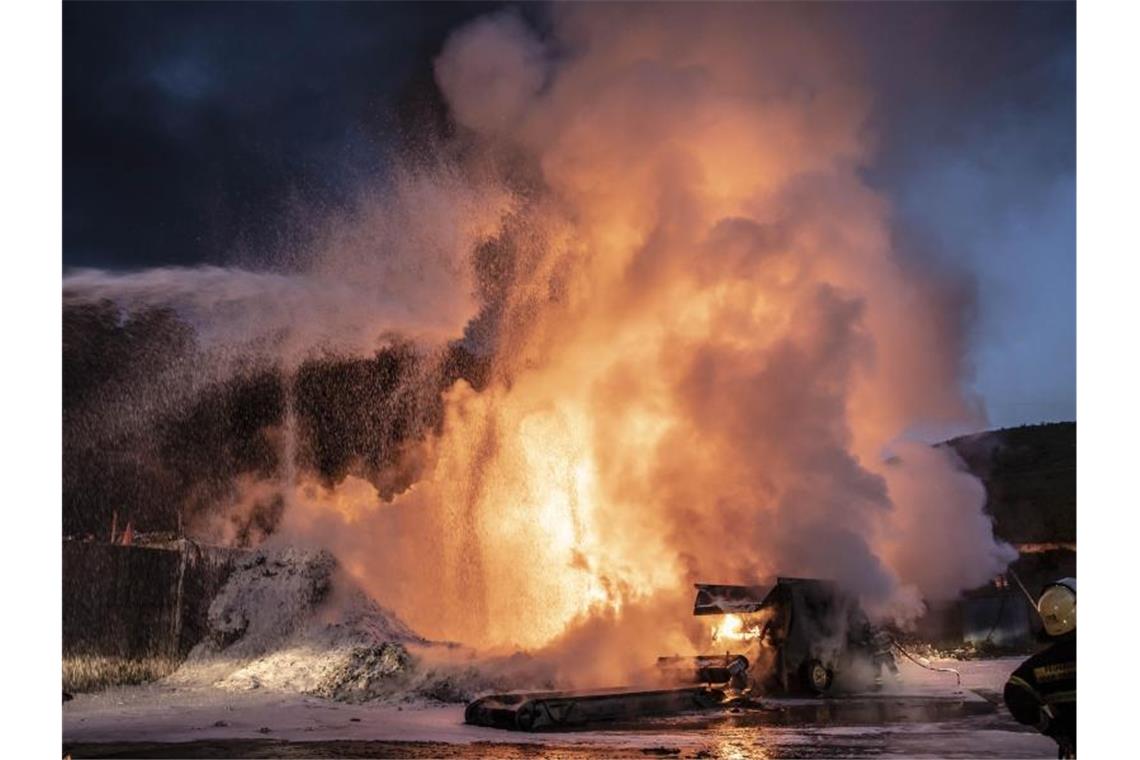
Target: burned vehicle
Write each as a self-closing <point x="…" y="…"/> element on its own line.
<point x="547" y="710"/>
<point x="800" y="635"/>
<point x="803" y="633"/>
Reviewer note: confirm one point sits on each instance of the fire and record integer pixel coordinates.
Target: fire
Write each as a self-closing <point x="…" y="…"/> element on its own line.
<point x="701" y="346"/>
<point x="731" y="628"/>
<point x="736" y="628"/>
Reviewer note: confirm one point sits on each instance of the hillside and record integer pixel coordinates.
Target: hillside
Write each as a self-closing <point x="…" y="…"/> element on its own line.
<point x="1030" y="473"/>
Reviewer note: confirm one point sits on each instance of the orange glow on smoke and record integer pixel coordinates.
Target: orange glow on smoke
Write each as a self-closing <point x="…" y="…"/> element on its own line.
<point x="706" y="344"/>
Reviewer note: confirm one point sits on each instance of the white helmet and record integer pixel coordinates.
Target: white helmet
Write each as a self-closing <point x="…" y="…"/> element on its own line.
<point x="1058" y="607"/>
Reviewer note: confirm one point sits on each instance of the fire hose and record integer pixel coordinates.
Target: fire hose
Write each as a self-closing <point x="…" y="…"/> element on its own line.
<point x="925" y="665"/>
<point x="928" y="666"/>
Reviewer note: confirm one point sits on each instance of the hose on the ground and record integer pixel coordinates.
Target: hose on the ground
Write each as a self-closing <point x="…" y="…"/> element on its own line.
<point x="926" y="665"/>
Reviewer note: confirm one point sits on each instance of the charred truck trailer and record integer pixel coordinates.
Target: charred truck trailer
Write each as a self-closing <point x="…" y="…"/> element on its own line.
<point x="802" y="634"/>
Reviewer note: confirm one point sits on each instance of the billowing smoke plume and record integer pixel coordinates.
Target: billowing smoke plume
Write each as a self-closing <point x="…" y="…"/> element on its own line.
<point x="705" y="353"/>
<point x="706" y="347"/>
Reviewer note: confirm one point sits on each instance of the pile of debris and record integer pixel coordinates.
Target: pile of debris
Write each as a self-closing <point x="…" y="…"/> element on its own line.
<point x="292" y="620"/>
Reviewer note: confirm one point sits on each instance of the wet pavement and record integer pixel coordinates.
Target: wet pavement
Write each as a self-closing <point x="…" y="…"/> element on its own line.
<point x="904" y="726"/>
<point x="925" y="718"/>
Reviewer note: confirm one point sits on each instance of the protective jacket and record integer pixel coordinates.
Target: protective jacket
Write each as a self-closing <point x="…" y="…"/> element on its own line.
<point x="1042" y="692"/>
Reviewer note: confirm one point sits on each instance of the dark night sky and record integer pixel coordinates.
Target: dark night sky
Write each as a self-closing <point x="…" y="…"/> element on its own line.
<point x="192" y="129"/>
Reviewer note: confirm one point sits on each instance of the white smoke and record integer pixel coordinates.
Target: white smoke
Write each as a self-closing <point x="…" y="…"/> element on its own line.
<point x="490" y="73"/>
<point x="705" y="340"/>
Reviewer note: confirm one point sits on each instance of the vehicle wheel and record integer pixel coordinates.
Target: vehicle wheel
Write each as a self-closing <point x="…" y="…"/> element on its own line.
<point x="816" y="677"/>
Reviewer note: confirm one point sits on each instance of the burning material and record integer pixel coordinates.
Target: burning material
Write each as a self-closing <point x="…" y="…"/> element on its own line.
<point x="735" y="628"/>
<point x="804" y="632"/>
<point x="702" y="339"/>
<point x="703" y="347"/>
<point x="809" y="632"/>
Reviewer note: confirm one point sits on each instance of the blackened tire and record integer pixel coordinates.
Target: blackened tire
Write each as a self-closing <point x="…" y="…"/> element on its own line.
<point x="815" y="677"/>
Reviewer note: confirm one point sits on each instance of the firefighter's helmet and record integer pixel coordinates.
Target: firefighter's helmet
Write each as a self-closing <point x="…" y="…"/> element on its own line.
<point x="1058" y="607"/>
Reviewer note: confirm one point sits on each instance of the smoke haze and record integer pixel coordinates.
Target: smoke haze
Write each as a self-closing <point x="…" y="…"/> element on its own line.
<point x="705" y="350"/>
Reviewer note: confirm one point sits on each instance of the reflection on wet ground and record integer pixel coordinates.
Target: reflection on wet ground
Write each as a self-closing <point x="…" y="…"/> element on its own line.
<point x="266" y="748"/>
<point x="906" y="726"/>
<point x="872" y="711"/>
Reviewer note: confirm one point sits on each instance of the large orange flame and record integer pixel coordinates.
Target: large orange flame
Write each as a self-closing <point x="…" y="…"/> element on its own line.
<point x="705" y="342"/>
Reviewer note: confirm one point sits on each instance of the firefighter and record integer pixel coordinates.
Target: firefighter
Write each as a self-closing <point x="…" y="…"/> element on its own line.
<point x="882" y="656"/>
<point x="1042" y="692"/>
